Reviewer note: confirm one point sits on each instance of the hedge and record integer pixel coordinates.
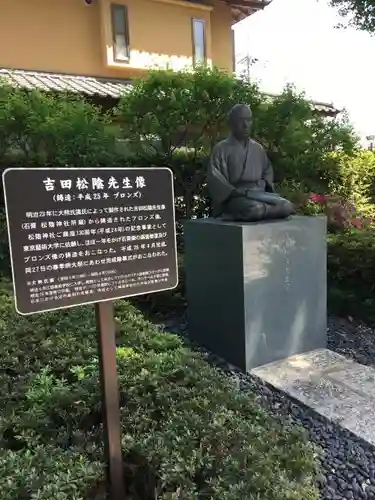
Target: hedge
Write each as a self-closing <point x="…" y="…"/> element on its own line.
<point x="357" y="179"/>
<point x="351" y="274"/>
<point x="42" y="129"/>
<point x="184" y="424"/>
<point x="57" y="130"/>
<point x="189" y="110"/>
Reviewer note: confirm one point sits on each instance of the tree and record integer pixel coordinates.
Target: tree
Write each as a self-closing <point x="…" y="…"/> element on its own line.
<point x="190" y="110"/>
<point x="184" y="109"/>
<point x="360" y="13"/>
<point x="39" y="128"/>
<point x="187" y="112"/>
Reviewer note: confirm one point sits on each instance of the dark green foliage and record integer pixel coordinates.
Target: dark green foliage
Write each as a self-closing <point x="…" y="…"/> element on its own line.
<point x="165" y="304"/>
<point x="4" y="246"/>
<point x="41" y="129"/>
<point x="182" y="109"/>
<point x="184" y="424"/>
<point x="169" y="110"/>
<point x="359" y="13"/>
<point x="298" y="141"/>
<point x="357" y="180"/>
<point x="172" y="119"/>
<point x="189" y="110"/>
<point x="351" y="274"/>
<point x="310" y="153"/>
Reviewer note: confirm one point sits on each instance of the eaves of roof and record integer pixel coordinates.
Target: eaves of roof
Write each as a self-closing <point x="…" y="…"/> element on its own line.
<point x="96" y="86"/>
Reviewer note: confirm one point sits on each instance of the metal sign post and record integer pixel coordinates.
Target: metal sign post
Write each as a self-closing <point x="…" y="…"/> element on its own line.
<point x="110" y="398"/>
<point x="90" y="236"/>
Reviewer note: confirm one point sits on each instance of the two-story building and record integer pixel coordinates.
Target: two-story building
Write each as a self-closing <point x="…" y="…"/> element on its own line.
<point x="96" y="46"/>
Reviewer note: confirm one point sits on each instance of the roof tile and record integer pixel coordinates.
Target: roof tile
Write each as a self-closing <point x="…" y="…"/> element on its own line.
<point x="59" y="82"/>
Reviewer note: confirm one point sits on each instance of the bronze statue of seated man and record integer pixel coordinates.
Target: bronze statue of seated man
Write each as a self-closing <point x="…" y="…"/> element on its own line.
<point x="240" y="175"/>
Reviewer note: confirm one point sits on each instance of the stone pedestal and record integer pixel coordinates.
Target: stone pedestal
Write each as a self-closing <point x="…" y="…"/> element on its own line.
<point x="256" y="292"/>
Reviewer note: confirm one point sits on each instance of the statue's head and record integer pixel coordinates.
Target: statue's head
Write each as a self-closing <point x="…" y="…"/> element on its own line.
<point x="240" y="120"/>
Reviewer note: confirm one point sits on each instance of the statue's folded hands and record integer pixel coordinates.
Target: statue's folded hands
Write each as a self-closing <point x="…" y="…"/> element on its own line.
<point x="240" y="176"/>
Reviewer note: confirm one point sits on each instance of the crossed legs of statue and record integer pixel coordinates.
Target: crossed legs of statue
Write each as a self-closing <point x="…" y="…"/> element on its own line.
<point x="258" y="206"/>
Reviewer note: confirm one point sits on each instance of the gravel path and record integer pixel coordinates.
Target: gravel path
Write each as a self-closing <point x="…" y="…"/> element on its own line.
<point x="348" y="463"/>
<point x="352" y="340"/>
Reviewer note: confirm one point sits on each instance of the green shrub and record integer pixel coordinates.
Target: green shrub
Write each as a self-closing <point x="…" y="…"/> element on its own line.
<point x="299" y="141"/>
<point x="351" y="273"/>
<point x="341" y="213"/>
<point x="187" y="112"/>
<point x="190" y="110"/>
<point x="357" y="180"/>
<point x="165" y="304"/>
<point x="49" y="473"/>
<point x="4" y="246"/>
<point x="184" y="424"/>
<point x="182" y="109"/>
<point x="43" y="129"/>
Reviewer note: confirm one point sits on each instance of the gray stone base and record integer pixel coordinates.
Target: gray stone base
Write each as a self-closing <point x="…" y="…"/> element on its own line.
<point x="339" y="389"/>
<point x="256" y="292"/>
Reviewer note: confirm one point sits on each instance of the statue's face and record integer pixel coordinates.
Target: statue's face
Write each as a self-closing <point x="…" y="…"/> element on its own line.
<point x="241" y="123"/>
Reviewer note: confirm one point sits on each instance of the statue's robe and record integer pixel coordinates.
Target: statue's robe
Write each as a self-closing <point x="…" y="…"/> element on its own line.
<point x="245" y="170"/>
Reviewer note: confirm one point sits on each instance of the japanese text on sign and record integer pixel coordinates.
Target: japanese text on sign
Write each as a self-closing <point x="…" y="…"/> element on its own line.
<point x="81" y="238"/>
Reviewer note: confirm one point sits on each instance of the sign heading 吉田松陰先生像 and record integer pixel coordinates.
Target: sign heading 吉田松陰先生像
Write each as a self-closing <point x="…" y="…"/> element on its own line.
<point x="79" y="236"/>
